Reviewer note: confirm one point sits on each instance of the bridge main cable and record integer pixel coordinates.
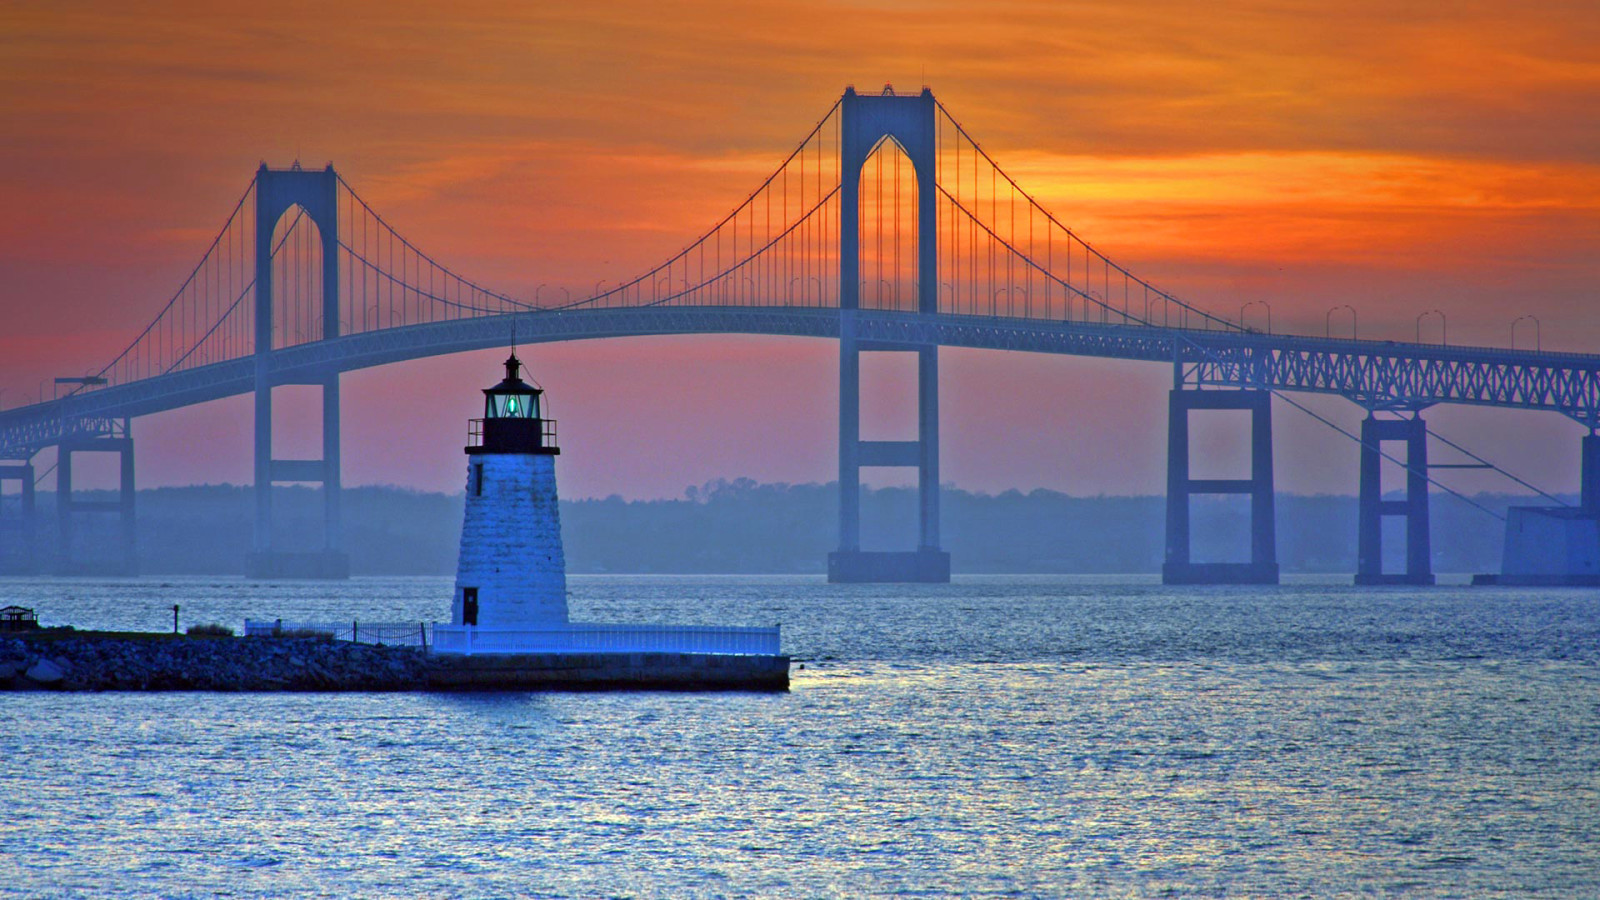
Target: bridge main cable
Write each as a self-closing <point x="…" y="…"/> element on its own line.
<point x="683" y="254"/>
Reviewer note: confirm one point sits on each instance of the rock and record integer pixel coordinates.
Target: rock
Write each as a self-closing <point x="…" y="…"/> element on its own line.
<point x="46" y="672"/>
<point x="103" y="664"/>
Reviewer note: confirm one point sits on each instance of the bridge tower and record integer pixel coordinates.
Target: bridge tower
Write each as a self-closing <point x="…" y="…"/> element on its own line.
<point x="277" y="192"/>
<point x="909" y="121"/>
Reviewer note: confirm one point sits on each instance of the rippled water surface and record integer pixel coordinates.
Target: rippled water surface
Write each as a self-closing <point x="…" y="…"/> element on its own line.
<point x="998" y="736"/>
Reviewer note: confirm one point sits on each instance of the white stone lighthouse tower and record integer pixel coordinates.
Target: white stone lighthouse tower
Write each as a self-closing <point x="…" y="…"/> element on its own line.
<point x="511" y="573"/>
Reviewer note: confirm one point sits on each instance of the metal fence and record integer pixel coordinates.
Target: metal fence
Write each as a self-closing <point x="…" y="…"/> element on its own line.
<point x="596" y="638"/>
<point x="394" y="634"/>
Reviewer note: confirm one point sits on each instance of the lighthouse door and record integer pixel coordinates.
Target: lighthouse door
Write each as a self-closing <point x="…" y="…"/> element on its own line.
<point x="469" y="606"/>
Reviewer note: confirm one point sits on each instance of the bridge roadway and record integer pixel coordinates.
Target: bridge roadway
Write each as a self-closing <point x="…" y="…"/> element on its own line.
<point x="1376" y="374"/>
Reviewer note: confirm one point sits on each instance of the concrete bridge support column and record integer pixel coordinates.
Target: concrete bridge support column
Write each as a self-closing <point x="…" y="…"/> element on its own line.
<point x="1263" y="565"/>
<point x="850" y="563"/>
<point x="267" y="560"/>
<point x="1556" y="546"/>
<point x="124" y="559"/>
<point x="19" y="532"/>
<point x="1373" y="508"/>
<point x="1589" y="473"/>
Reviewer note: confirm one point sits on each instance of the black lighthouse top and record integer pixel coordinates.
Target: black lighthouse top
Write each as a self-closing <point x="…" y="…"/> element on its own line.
<point x="511" y="421"/>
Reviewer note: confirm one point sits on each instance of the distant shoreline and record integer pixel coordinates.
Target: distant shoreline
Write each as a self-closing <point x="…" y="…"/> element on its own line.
<point x="742" y="527"/>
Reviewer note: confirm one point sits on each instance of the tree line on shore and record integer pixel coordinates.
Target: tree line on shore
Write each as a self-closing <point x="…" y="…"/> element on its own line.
<point x="741" y="526"/>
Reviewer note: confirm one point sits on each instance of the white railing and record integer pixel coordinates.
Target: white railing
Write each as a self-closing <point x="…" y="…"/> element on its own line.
<point x="408" y="634"/>
<point x="582" y="637"/>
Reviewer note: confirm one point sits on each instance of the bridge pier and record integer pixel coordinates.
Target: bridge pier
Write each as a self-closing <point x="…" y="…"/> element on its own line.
<point x="1263" y="565"/>
<point x="1373" y="509"/>
<point x="1589" y="473"/>
<point x="1556" y="546"/>
<point x="19" y="532"/>
<point x="126" y="561"/>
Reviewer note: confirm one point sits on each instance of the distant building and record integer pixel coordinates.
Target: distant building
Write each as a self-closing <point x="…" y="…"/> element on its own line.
<point x="18" y="618"/>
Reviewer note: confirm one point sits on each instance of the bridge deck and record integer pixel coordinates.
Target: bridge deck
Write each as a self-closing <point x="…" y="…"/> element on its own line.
<point x="1377" y="374"/>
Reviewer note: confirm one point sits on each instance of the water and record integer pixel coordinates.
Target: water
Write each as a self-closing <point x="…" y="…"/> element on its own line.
<point x="995" y="737"/>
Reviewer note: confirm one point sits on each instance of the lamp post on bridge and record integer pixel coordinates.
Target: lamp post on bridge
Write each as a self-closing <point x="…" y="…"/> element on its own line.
<point x="1327" y="321"/>
<point x="1149" y="299"/>
<point x="1262" y="303"/>
<point x="536" y="294"/>
<point x="1536" y="329"/>
<point x="1444" y="332"/>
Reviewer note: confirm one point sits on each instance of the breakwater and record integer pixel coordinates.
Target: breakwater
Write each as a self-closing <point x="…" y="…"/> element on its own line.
<point x="65" y="660"/>
<point x="89" y="661"/>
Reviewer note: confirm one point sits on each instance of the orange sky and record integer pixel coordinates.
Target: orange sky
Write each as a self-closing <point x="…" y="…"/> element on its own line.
<point x="1395" y="157"/>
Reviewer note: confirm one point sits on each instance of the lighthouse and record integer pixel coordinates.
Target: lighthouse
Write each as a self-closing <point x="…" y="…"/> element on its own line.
<point x="511" y="572"/>
<point x="509" y="628"/>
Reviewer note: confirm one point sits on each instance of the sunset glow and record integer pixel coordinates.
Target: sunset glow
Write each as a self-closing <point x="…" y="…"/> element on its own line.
<point x="1397" y="159"/>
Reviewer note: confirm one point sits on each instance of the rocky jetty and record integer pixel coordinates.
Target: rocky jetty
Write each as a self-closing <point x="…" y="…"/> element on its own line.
<point x="67" y="660"/>
<point x="97" y="661"/>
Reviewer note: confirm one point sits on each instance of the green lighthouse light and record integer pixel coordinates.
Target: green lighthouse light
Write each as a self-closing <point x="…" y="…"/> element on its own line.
<point x="513" y="420"/>
<point x="512" y="398"/>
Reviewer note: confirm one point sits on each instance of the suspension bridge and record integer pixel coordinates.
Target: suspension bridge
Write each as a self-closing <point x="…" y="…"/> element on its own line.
<point x="890" y="229"/>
